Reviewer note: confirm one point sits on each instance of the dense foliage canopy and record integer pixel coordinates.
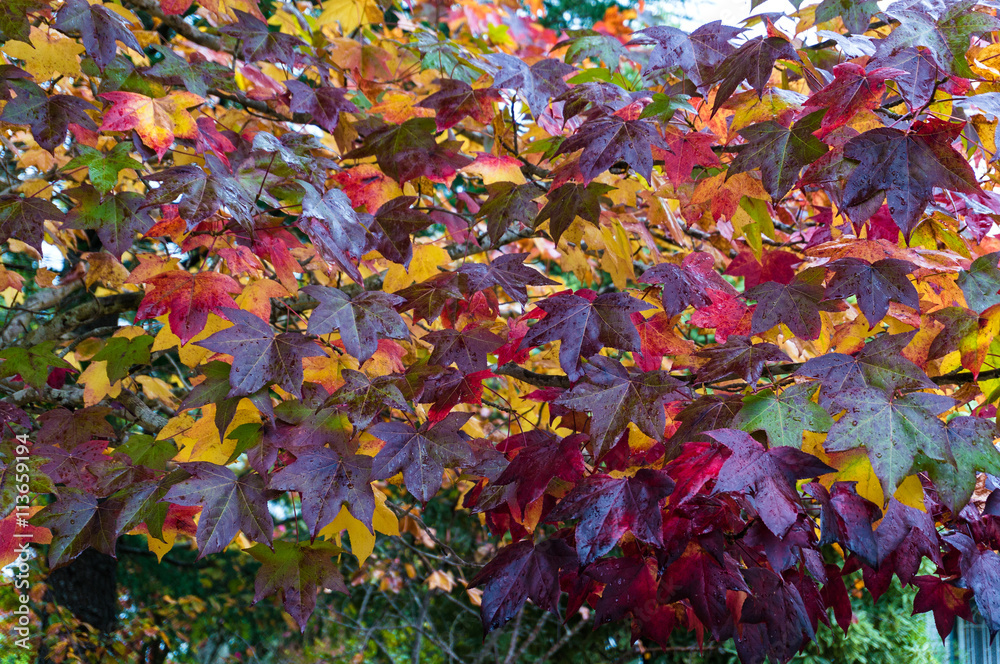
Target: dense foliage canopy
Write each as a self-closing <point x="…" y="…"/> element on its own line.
<point x="697" y="324"/>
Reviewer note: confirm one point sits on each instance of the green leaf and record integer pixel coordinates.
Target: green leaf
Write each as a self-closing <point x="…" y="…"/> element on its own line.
<point x="146" y="451"/>
<point x="247" y="436"/>
<point x="32" y="363"/>
<point x="298" y="571"/>
<point x="893" y="431"/>
<point x="122" y="354"/>
<point x="785" y="416"/>
<point x="104" y="168"/>
<point x="779" y="152"/>
<point x="663" y="107"/>
<point x="981" y="282"/>
<point x="970" y="441"/>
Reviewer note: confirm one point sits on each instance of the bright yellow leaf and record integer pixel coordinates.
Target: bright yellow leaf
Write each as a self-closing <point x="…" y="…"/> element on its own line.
<point x="96" y="385"/>
<point x="47" y="55"/>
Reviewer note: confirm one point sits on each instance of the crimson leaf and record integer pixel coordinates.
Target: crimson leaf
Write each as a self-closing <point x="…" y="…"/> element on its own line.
<point x="584" y="324"/>
<point x="608" y="507"/>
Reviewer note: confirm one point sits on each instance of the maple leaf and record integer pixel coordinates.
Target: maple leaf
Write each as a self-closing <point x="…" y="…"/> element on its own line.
<point x="981" y="282"/>
<point x="688" y="283"/>
<point x="879" y="364"/>
<point x="686" y="152"/>
<point x="298" y="571"/>
<point x="116" y="218"/>
<point x="157" y="121"/>
<point x="103" y="167"/>
<point x="453" y="387"/>
<point x="78" y="467"/>
<point x="777" y="604"/>
<point x="918" y="84"/>
<point x="738" y="355"/>
<point x="847" y="519"/>
<point x="312" y="426"/>
<point x="457" y="100"/>
<point x="76" y="523"/>
<point x="753" y="62"/>
<point x="697" y="54"/>
<point x="215" y="390"/>
<point x="904" y="536"/>
<point x="508" y="203"/>
<point x="210" y="138"/>
<point x="903" y="168"/>
<point x="779" y="152"/>
<point x="703" y="579"/>
<point x="421" y="455"/>
<point x="361" y="320"/>
<point x="584" y="44"/>
<point x="32" y="364"/>
<point x="892" y="430"/>
<point x="874" y="284"/>
<point x="704" y="414"/>
<point x="784" y="416"/>
<point x="616" y="396"/>
<point x="394" y="224"/>
<point x="966" y="332"/>
<point x="122" y="354"/>
<point x="772" y="266"/>
<point x="970" y="443"/>
<point x="795" y="304"/>
<point x="608" y="507"/>
<point x="259" y="355"/>
<point x="945" y="35"/>
<point x="187" y="299"/>
<point x="202" y="193"/>
<point x="48" y="116"/>
<point x="326" y="480"/>
<point x="766" y="478"/>
<point x="537" y="84"/>
<point x="980" y="575"/>
<point x="468" y="349"/>
<point x="509" y="273"/>
<point x="410" y="150"/>
<point x="323" y="104"/>
<point x="520" y="571"/>
<point x="365" y="397"/>
<point x="584" y="324"/>
<point x="544" y="457"/>
<point x="608" y="139"/>
<point x="569" y="201"/>
<point x="429" y="298"/>
<point x="98" y="27"/>
<point x="197" y="76"/>
<point x="852" y="90"/>
<point x="230" y="504"/>
<point x="334" y="228"/>
<point x="629" y="586"/>
<point x="24" y="218"/>
<point x="14" y="23"/>
<point x="856" y="14"/>
<point x="946" y="600"/>
<point x="258" y="43"/>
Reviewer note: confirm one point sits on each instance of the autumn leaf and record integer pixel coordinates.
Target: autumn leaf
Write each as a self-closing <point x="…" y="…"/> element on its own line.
<point x="157" y="121"/>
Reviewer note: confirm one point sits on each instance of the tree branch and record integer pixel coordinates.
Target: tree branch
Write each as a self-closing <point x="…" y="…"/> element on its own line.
<point x="533" y="378"/>
<point x="177" y="24"/>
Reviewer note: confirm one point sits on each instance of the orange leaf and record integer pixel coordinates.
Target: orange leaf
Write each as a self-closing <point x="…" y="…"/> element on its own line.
<point x="157" y="121"/>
